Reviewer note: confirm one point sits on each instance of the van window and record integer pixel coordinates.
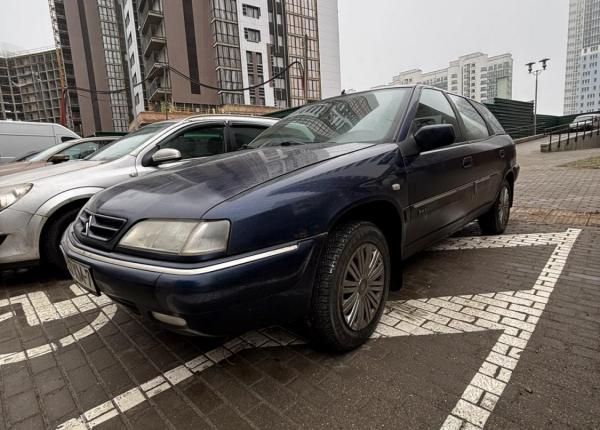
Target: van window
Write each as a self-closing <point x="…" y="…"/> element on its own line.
<point x="67" y="138"/>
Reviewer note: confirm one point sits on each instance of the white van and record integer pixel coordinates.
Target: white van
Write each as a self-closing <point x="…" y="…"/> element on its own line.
<point x="19" y="138"/>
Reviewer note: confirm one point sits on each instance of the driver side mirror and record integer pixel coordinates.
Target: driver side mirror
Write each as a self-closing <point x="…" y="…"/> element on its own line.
<point x="435" y="136"/>
<point x="58" y="158"/>
<point x="165" y="155"/>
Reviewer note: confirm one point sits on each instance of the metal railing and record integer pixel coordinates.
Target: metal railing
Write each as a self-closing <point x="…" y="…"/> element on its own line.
<point x="573" y="131"/>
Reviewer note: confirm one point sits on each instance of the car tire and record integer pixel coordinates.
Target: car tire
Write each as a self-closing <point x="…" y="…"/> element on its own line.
<point x="349" y="295"/>
<point x="50" y="247"/>
<point x="495" y="220"/>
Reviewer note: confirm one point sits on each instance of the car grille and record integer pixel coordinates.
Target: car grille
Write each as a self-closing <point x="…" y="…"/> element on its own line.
<point x="99" y="227"/>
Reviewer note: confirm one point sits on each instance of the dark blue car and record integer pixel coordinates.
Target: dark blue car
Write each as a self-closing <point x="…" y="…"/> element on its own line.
<point x="311" y="221"/>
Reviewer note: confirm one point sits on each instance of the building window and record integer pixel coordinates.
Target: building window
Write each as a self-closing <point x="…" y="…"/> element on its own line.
<point x="252" y="35"/>
<point x="251" y="11"/>
<point x="129" y="40"/>
<point x="127" y="19"/>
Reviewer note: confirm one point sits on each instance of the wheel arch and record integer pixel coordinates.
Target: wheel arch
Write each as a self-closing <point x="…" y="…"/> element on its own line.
<point x="510" y="178"/>
<point x="388" y="218"/>
<point x="59" y="204"/>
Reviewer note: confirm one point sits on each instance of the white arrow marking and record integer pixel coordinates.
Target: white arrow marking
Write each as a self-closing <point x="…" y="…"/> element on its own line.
<point x="515" y="313"/>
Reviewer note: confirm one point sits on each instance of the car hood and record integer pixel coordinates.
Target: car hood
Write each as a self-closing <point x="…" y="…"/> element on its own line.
<point x="29" y="175"/>
<point x="9" y="169"/>
<point x="190" y="191"/>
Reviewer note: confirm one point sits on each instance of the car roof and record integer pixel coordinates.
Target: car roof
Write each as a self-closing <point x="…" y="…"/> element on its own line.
<point x="241" y="118"/>
<point x="93" y="139"/>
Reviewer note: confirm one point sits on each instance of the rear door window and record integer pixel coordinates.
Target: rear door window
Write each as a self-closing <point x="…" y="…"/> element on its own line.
<point x="241" y="135"/>
<point x="490" y="118"/>
<point x="475" y="126"/>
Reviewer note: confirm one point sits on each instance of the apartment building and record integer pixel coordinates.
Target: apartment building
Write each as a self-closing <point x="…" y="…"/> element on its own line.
<point x="230" y="44"/>
<point x="476" y="75"/>
<point x="30" y="85"/>
<point x="582" y="88"/>
<point x="91" y="38"/>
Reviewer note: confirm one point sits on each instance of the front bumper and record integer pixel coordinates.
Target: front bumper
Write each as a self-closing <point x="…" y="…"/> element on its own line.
<point x="19" y="232"/>
<point x="271" y="286"/>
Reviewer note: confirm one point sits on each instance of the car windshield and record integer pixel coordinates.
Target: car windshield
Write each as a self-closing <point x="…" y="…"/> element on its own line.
<point x="369" y="117"/>
<point x="128" y="143"/>
<point x="44" y="155"/>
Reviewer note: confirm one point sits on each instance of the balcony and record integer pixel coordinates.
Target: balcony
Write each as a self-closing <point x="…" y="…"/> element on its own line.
<point x="156" y="92"/>
<point x="152" y="18"/>
<point x="154" y="43"/>
<point x="156" y="69"/>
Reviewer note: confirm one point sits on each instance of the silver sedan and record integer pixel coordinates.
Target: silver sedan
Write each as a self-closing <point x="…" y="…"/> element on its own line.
<point x="37" y="206"/>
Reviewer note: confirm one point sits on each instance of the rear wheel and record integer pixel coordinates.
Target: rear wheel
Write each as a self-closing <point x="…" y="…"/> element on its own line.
<point x="50" y="241"/>
<point x="496" y="219"/>
<point x="351" y="286"/>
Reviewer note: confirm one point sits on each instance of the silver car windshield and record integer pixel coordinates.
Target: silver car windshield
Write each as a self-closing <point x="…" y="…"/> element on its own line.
<point x="128" y="143"/>
<point x="367" y="117"/>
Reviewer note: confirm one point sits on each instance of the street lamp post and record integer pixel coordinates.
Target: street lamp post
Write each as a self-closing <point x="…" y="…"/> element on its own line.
<point x="537" y="73"/>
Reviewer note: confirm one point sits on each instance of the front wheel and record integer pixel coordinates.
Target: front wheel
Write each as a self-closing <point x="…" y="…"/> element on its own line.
<point x="351" y="287"/>
<point x="50" y="242"/>
<point x="495" y="220"/>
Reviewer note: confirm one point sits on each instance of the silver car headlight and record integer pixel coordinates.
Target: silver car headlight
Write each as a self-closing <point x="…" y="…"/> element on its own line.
<point x="180" y="237"/>
<point x="10" y="195"/>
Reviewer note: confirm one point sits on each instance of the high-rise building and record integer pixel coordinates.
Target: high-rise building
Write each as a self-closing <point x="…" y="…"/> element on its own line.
<point x="476" y="76"/>
<point x="90" y="36"/>
<point x="30" y="85"/>
<point x="230" y="44"/>
<point x="150" y="55"/>
<point x="582" y="89"/>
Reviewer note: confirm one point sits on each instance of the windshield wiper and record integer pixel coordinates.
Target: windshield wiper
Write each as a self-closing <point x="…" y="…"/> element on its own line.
<point x="291" y="143"/>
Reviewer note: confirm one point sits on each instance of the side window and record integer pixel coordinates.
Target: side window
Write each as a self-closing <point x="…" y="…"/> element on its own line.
<point x="434" y="108"/>
<point x="82" y="150"/>
<point x="490" y="118"/>
<point x="64" y="139"/>
<point x="243" y="135"/>
<point x="475" y="126"/>
<point x="197" y="142"/>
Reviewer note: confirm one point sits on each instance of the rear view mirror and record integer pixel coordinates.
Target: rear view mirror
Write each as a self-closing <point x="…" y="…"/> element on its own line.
<point x="165" y="155"/>
<point x="435" y="136"/>
<point x="58" y="158"/>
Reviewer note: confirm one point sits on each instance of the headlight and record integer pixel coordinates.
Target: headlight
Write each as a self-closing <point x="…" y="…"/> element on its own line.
<point x="178" y="237"/>
<point x="9" y="195"/>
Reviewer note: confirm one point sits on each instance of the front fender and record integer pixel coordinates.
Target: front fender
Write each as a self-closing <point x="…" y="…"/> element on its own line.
<point x="53" y="204"/>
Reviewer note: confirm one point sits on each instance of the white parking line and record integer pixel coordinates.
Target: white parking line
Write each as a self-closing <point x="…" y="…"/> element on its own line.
<point x="39" y="310"/>
<point x="515" y="313"/>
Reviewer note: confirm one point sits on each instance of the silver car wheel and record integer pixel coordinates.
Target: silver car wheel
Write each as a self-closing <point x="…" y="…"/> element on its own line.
<point x="362" y="286"/>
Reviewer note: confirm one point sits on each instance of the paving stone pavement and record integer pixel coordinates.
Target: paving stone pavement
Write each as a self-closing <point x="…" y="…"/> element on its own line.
<point x="494" y="332"/>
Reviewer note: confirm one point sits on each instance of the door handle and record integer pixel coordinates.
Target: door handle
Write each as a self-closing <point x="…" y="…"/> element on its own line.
<point x="501" y="153"/>
<point x="467" y="162"/>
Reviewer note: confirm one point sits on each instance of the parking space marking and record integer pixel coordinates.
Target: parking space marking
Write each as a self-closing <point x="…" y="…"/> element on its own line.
<point x="38" y="309"/>
<point x="514" y="313"/>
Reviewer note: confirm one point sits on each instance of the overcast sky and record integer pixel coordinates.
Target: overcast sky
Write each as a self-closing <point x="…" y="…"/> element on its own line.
<point x="380" y="38"/>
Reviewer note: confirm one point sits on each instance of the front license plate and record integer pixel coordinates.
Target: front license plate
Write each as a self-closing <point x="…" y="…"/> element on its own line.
<point x="82" y="276"/>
